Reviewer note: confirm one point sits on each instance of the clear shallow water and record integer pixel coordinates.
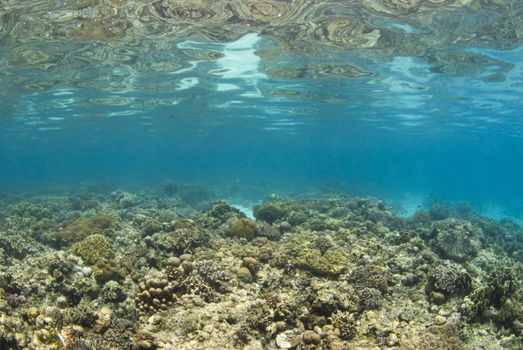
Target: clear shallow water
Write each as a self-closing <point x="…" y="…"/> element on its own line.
<point x="409" y="123"/>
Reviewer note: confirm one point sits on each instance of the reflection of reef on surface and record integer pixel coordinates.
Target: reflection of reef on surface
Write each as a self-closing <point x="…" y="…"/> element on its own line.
<point x="70" y="40"/>
<point x="312" y="272"/>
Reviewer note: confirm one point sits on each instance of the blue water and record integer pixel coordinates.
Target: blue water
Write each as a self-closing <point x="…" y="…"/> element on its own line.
<point x="407" y="133"/>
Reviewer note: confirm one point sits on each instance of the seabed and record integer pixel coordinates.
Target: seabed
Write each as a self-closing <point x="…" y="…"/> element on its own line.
<point x="177" y="268"/>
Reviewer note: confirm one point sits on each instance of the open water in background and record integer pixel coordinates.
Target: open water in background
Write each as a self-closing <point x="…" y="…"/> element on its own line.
<point x="398" y="127"/>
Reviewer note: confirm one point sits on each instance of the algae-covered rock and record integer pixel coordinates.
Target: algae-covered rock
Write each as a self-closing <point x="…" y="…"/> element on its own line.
<point x="322" y="243"/>
<point x="151" y="226"/>
<point x="195" y="194"/>
<point x="82" y="314"/>
<point x="421" y="217"/>
<point x="79" y="229"/>
<point x="113" y="292"/>
<point x="333" y="262"/>
<point x="223" y="211"/>
<point x="216" y="274"/>
<point x="263" y="229"/>
<point x="93" y="249"/>
<point x="124" y="199"/>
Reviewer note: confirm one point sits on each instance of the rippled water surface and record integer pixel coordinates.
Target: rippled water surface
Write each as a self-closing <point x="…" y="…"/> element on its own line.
<point x="401" y="99"/>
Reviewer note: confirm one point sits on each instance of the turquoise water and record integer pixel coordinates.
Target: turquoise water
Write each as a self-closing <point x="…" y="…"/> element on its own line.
<point x="409" y="125"/>
<point x="261" y="174"/>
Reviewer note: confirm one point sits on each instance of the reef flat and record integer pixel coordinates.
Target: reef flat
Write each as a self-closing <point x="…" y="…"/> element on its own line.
<point x="178" y="269"/>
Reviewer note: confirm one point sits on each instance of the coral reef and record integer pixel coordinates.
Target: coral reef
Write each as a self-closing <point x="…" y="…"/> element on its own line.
<point x="499" y="299"/>
<point x="344" y="324"/>
<point x="311" y="272"/>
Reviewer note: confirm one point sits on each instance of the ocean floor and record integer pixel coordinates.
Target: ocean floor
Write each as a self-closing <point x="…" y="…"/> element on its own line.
<point x="178" y="268"/>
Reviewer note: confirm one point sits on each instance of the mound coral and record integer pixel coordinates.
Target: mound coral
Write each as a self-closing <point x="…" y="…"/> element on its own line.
<point x="155" y="293"/>
<point x="268" y="212"/>
<point x="242" y="228"/>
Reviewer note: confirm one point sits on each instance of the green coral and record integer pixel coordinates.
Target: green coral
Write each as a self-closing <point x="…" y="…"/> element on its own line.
<point x="79" y="229"/>
<point x="332" y="263"/>
<point x="93" y="249"/>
